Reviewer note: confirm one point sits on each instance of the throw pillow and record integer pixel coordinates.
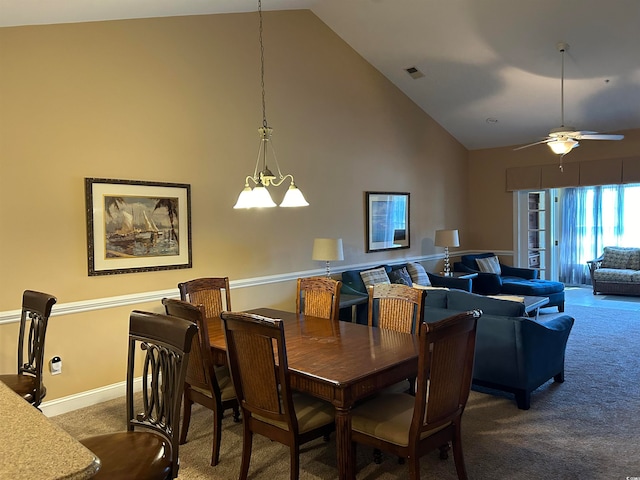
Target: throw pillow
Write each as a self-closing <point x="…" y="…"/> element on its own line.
<point x="400" y="275"/>
<point x="418" y="274"/>
<point x="616" y="257"/>
<point x="489" y="265"/>
<point x="374" y="276"/>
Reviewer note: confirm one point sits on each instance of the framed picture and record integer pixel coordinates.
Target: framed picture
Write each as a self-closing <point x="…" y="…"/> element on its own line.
<point x="387" y="221"/>
<point x="137" y="226"/>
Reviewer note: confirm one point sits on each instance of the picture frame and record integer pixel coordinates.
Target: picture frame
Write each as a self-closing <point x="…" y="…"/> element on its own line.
<point x="387" y="220"/>
<point x="137" y="226"/>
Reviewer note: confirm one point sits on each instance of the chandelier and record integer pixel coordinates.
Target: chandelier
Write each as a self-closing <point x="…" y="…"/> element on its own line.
<point x="259" y="196"/>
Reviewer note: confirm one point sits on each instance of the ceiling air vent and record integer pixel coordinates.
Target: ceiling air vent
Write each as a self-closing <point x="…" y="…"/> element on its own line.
<point x="414" y="73"/>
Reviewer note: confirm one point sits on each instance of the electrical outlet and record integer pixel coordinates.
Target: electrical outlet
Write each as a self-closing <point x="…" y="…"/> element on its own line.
<point x="55" y="366"/>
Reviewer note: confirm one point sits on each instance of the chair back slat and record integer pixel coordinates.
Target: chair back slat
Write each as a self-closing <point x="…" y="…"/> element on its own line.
<point x="396" y="307"/>
<point x="164" y="343"/>
<point x="258" y="362"/>
<point x="318" y="297"/>
<point x="212" y="293"/>
<point x="200" y="368"/>
<point x="34" y="319"/>
<point x="444" y="374"/>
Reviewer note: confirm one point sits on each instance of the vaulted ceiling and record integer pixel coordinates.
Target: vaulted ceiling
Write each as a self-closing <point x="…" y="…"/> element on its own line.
<point x="491" y="69"/>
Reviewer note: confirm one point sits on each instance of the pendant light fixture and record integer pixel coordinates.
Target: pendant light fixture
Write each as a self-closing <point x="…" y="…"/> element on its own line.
<point x="259" y="196"/>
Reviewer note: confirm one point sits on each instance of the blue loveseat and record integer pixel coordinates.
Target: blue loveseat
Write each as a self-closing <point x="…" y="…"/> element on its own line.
<point x="352" y="284"/>
<point x="514" y="353"/>
<point x="511" y="281"/>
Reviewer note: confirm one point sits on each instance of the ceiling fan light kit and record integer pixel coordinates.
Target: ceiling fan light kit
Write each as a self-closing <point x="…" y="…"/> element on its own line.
<point x="564" y="139"/>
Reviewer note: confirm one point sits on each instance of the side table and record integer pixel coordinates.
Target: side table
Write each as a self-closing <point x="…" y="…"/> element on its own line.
<point x="351" y="301"/>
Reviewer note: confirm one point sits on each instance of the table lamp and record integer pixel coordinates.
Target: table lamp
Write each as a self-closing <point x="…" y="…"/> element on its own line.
<point x="326" y="250"/>
<point x="446" y="239"/>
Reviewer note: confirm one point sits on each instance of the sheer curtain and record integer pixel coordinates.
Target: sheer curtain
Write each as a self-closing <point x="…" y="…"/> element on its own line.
<point x="593" y="218"/>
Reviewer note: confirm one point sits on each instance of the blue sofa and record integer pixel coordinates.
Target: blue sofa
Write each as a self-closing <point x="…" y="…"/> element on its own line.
<point x="511" y="281"/>
<point x="352" y="284"/>
<point x="514" y="353"/>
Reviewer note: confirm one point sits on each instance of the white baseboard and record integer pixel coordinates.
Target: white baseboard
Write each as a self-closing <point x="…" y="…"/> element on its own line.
<point x="88" y="398"/>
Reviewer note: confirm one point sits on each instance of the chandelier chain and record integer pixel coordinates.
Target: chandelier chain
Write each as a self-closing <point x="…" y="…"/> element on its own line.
<point x="264" y="107"/>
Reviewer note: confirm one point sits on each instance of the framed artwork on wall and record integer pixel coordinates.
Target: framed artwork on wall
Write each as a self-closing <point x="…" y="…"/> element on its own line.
<point x="387" y="221"/>
<point x="137" y="226"/>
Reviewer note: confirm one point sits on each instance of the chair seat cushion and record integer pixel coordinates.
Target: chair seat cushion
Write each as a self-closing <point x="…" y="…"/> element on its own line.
<point x="538" y="288"/>
<point x="310" y="412"/>
<point x="227" y="392"/>
<point x="618" y="275"/>
<point x="387" y="417"/>
<point x="23" y="385"/>
<point x="139" y="455"/>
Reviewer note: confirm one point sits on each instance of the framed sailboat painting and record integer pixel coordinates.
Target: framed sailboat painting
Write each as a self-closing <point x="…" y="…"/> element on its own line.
<point x="137" y="226"/>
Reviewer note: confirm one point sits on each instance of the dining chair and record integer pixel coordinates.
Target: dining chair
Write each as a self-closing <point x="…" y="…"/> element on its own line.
<point x="34" y="318"/>
<point x="410" y="426"/>
<point x="257" y="357"/>
<point x="148" y="449"/>
<point x="204" y="383"/>
<point x="396" y="306"/>
<point x="318" y="297"/>
<point x="212" y="292"/>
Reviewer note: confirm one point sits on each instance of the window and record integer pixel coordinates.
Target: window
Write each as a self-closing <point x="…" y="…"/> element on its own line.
<point x="593" y="218"/>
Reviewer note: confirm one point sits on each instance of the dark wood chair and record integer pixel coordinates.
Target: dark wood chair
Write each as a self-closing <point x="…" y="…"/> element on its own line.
<point x="257" y="359"/>
<point x="212" y="293"/>
<point x="396" y="307"/>
<point x="148" y="449"/>
<point x="410" y="426"/>
<point x="318" y="297"/>
<point x="27" y="382"/>
<point x="204" y="383"/>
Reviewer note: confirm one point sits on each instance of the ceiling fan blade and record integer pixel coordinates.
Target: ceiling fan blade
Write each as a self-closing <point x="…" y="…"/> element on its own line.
<point x="598" y="136"/>
<point x="546" y="140"/>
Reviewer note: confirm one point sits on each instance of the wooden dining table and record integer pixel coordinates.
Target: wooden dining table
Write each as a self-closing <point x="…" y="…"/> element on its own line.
<point x="339" y="362"/>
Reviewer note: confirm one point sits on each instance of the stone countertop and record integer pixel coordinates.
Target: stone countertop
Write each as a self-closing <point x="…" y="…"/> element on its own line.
<point x="35" y="448"/>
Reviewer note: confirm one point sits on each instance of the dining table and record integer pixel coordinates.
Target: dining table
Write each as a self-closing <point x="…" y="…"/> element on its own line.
<point x="336" y="361"/>
<point x="34" y="447"/>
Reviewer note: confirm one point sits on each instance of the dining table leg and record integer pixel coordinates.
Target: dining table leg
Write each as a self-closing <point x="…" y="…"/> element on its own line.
<point x="345" y="454"/>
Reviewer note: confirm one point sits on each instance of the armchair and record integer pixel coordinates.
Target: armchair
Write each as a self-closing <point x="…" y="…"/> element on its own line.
<point x="511" y="281"/>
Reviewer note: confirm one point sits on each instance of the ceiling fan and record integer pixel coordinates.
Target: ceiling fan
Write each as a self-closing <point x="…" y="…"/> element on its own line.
<point x="564" y="139"/>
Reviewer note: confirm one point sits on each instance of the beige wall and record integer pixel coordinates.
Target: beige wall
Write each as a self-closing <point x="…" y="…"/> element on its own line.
<point x="178" y="100"/>
<point x="490" y="214"/>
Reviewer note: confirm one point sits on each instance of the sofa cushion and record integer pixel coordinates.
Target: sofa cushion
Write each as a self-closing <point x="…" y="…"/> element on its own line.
<point x="489" y="265"/>
<point x="374" y="276"/>
<point x="400" y="275"/>
<point x="617" y="275"/>
<point x="435" y="298"/>
<point x="619" y="257"/>
<point x="462" y="301"/>
<point x="418" y="274"/>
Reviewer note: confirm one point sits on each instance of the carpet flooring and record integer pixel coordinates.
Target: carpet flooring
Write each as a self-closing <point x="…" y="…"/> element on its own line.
<point x="587" y="428"/>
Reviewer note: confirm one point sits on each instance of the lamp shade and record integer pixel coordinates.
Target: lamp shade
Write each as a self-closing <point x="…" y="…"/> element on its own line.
<point x="447" y="238"/>
<point x="327" y="249"/>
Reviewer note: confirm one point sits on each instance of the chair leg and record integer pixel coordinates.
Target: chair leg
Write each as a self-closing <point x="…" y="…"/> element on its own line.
<point x="444" y="451"/>
<point x="186" y="418"/>
<point x="294" y="453"/>
<point x="217" y="438"/>
<point x="236" y="414"/>
<point x="377" y="456"/>
<point x="559" y="377"/>
<point x="414" y="467"/>
<point x="458" y="456"/>
<point x="247" y="441"/>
